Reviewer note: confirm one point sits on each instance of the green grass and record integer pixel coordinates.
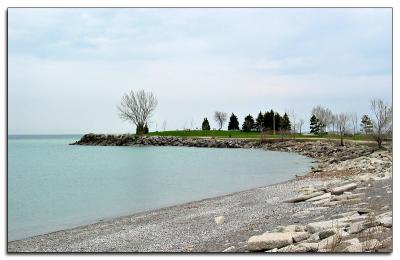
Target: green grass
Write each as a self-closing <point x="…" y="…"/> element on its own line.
<point x="256" y="135"/>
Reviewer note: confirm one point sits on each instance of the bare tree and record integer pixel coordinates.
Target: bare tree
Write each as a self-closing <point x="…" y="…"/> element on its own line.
<point x="382" y="123"/>
<point x="220" y="118"/>
<point x="342" y="122"/>
<point x="301" y="123"/>
<point x="293" y="117"/>
<point x="324" y="116"/>
<point x="137" y="107"/>
<point x="333" y="122"/>
<point x="354" y="122"/>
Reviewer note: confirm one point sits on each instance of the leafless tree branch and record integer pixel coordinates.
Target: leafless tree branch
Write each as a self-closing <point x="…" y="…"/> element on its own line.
<point x="137" y="107"/>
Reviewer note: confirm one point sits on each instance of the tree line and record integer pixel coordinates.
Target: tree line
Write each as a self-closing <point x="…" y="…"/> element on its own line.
<point x="137" y="107"/>
<point x="378" y="125"/>
<point x="266" y="121"/>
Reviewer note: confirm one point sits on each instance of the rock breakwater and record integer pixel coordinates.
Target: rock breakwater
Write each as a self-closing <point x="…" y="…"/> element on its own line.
<point x="132" y="140"/>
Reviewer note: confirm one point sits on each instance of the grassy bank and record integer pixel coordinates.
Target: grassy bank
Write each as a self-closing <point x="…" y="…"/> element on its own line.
<point x="256" y="135"/>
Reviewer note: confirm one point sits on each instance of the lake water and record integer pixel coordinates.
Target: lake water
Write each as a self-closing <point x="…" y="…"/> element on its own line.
<point x="53" y="185"/>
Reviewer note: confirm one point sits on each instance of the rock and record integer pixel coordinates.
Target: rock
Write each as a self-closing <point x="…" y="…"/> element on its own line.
<point x="386" y="207"/>
<point x="348" y="197"/>
<point x="326" y="233"/>
<point x="374" y="231"/>
<point x="354" y="218"/>
<point x="321" y="197"/>
<point x="307" y="190"/>
<point x="321" y="202"/>
<point x="300" y="236"/>
<point x="291" y="249"/>
<point x="304" y="197"/>
<point x="386" y="221"/>
<point x="268" y="241"/>
<point x="363" y="211"/>
<point x="341" y="189"/>
<point x="352" y="241"/>
<point x="229" y="249"/>
<point x="371" y="244"/>
<point x="330" y="243"/>
<point x="354" y="248"/>
<point x="219" y="220"/>
<point x="328" y="224"/>
<point x="346" y="214"/>
<point x="387" y="243"/>
<point x="355" y="228"/>
<point x="299" y="248"/>
<point x="290" y="228"/>
<point x="313" y="238"/>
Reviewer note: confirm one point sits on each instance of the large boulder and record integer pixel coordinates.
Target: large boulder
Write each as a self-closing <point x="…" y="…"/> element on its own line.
<point x="320" y="197"/>
<point x="385" y="219"/>
<point x="299" y="236"/>
<point x="341" y="189"/>
<point x="304" y="197"/>
<point x="269" y="241"/>
<point x="290" y="228"/>
<point x="299" y="248"/>
<point x="327" y="224"/>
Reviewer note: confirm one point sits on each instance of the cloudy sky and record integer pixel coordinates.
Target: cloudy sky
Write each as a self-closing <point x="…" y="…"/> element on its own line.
<point x="68" y="68"/>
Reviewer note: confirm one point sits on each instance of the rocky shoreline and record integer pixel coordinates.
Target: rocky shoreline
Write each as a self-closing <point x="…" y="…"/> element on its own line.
<point x="133" y="140"/>
<point x="343" y="205"/>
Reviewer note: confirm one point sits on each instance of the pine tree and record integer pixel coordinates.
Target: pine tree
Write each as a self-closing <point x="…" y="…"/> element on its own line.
<point x="285" y="123"/>
<point x="233" y="122"/>
<point x="315" y="126"/>
<point x="268" y="120"/>
<point x="278" y="121"/>
<point x="366" y="124"/>
<point x="205" y="126"/>
<point x="248" y="124"/>
<point x="259" y="122"/>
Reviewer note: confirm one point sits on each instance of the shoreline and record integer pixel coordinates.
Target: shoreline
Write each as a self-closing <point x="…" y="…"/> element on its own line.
<point x="149" y="211"/>
<point x="168" y="207"/>
<point x="191" y="227"/>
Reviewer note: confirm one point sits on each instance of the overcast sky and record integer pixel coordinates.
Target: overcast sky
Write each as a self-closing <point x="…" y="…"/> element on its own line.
<point x="68" y="68"/>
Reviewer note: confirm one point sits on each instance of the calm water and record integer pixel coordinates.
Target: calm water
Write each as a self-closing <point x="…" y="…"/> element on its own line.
<point x="53" y="185"/>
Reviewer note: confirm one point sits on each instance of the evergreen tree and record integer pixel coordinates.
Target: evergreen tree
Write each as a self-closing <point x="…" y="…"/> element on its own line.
<point x="205" y="126"/>
<point x="285" y="123"/>
<point x="248" y="124"/>
<point x="233" y="122"/>
<point x="278" y="121"/>
<point x="259" y="122"/>
<point x="268" y="120"/>
<point x="315" y="126"/>
<point x="366" y="124"/>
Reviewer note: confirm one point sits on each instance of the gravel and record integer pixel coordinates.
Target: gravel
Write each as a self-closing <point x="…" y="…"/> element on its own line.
<point x="186" y="227"/>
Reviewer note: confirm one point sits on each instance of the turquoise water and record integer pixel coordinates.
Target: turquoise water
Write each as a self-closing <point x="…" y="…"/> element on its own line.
<point x="53" y="185"/>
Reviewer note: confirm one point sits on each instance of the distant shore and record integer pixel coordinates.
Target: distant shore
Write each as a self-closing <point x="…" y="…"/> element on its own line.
<point x="193" y="227"/>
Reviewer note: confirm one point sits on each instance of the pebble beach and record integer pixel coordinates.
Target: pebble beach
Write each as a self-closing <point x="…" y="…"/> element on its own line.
<point x="343" y="205"/>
